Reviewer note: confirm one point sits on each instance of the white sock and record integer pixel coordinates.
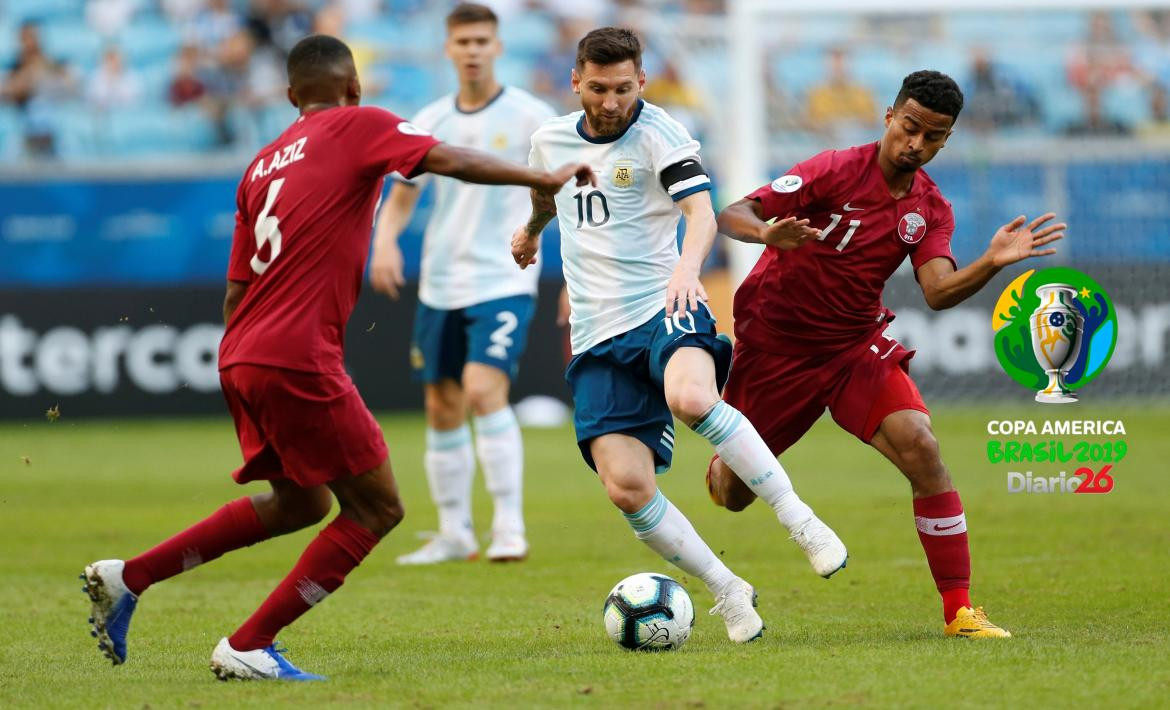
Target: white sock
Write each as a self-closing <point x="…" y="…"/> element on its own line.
<point x="450" y="466"/>
<point x="667" y="531"/>
<point x="739" y="445"/>
<point x="501" y="455"/>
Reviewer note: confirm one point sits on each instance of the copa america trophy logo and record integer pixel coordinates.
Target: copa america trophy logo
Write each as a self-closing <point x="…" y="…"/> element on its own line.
<point x="1057" y="328"/>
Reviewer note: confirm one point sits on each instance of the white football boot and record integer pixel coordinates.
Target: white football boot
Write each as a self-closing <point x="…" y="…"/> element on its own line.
<point x="825" y="551"/>
<point x="262" y="664"/>
<point x="737" y="606"/>
<point x="112" y="605"/>
<point x="443" y="548"/>
<point x="507" y="546"/>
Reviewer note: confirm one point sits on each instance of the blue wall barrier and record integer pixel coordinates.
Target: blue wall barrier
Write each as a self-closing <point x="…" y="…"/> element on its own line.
<point x="174" y="231"/>
<point x="177" y="231"/>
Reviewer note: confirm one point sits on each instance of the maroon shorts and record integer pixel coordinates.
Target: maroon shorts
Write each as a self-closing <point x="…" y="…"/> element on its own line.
<point x="784" y="395"/>
<point x="303" y="427"/>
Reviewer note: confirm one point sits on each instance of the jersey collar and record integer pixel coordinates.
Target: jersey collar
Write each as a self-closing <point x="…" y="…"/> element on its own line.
<point x="490" y="101"/>
<point x="609" y="139"/>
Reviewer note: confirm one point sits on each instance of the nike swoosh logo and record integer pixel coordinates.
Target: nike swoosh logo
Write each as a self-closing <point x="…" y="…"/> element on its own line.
<point x="940" y="529"/>
<point x="847" y="208"/>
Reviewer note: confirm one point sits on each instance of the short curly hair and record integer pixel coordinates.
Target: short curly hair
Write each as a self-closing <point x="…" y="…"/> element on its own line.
<point x="933" y="90"/>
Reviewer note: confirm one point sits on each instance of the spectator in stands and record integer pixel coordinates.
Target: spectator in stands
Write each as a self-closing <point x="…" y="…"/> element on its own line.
<point x="1101" y="59"/>
<point x="839" y="103"/>
<point x="1095" y="121"/>
<point x="681" y="99"/>
<point x="186" y="85"/>
<point x="35" y="84"/>
<point x="213" y="25"/>
<point x="332" y="20"/>
<point x="278" y="23"/>
<point x="995" y="99"/>
<point x="553" y="69"/>
<point x="244" y="79"/>
<point x="112" y="85"/>
<point x="109" y="17"/>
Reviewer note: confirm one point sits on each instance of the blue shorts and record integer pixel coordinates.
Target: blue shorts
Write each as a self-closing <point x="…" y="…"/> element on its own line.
<point x="618" y="384"/>
<point x="492" y="333"/>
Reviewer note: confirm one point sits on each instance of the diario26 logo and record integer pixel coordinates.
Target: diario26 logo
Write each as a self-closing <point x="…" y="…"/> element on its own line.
<point x="1055" y="330"/>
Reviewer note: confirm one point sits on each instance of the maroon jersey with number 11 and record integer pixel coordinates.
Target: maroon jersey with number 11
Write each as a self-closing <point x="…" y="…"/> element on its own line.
<point x="826" y="294"/>
<point x="305" y="212"/>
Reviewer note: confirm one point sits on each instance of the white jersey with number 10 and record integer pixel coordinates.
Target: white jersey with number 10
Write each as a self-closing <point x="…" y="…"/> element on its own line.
<point x="619" y="240"/>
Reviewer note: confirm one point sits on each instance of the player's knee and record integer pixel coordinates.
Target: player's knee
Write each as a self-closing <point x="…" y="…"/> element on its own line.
<point x="442" y="414"/>
<point x="384" y="515"/>
<point x="629" y="496"/>
<point x="485" y="398"/>
<point x="918" y="448"/>
<point x="316" y="509"/>
<point x="690" y="401"/>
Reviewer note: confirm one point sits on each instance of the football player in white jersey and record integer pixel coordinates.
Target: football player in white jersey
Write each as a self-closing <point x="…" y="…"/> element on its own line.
<point x="645" y="349"/>
<point x="473" y="314"/>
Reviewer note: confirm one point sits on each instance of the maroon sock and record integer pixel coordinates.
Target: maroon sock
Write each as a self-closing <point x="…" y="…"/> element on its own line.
<point x="942" y="528"/>
<point x="231" y="527"/>
<point x="336" y="550"/>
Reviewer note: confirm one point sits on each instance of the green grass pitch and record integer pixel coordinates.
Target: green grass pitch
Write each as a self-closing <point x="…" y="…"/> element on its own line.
<point x="1080" y="580"/>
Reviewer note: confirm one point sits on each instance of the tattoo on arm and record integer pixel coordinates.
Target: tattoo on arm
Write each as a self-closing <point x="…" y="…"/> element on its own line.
<point x="544" y="208"/>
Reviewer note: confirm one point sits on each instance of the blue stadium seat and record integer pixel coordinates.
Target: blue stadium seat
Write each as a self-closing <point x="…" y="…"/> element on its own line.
<point x="11" y="133"/>
<point x="1127" y="103"/>
<point x="530" y="33"/>
<point x="19" y="11"/>
<point x="72" y="41"/>
<point x="408" y="83"/>
<point x="149" y="41"/>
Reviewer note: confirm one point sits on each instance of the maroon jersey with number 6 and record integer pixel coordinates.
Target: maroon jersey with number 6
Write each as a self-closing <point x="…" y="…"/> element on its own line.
<point x="305" y="212"/>
<point x="826" y="294"/>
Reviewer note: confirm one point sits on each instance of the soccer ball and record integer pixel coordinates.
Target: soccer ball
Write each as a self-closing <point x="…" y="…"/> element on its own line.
<point x="649" y="612"/>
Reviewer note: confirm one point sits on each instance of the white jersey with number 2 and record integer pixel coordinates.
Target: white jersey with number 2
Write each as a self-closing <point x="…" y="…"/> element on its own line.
<point x="467" y="257"/>
<point x="619" y="240"/>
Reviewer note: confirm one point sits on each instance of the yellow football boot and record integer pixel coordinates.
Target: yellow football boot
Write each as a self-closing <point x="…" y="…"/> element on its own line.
<point x="973" y="624"/>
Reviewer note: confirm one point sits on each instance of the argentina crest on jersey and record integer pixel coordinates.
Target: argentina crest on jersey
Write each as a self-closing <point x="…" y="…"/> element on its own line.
<point x="623" y="173"/>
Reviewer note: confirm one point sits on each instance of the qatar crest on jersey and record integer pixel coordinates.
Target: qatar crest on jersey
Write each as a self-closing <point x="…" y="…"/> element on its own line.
<point x="912" y="228"/>
<point x="623" y="173"/>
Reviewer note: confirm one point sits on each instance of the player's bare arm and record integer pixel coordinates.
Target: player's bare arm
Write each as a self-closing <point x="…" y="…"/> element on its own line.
<point x="526" y="239"/>
<point x="386" y="275"/>
<point x="231" y="300"/>
<point x="486" y="169"/>
<point x="744" y="221"/>
<point x="944" y="287"/>
<point x="684" y="288"/>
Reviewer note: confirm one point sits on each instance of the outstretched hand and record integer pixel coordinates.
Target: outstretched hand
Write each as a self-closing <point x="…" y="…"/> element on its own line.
<point x="1014" y="242"/>
<point x="581" y="172"/>
<point x="788" y="233"/>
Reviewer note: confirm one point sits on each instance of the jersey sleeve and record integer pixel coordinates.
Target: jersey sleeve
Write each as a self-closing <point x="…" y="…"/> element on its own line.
<point x="243" y="243"/>
<point x="388" y="144"/>
<point x="937" y="241"/>
<point x="799" y="189"/>
<point x="426" y="120"/>
<point x="675" y="158"/>
<point x="535" y="154"/>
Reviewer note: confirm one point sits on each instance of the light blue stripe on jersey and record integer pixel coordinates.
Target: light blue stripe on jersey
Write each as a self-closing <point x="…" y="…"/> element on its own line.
<point x="650" y="515"/>
<point x="668" y="128"/>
